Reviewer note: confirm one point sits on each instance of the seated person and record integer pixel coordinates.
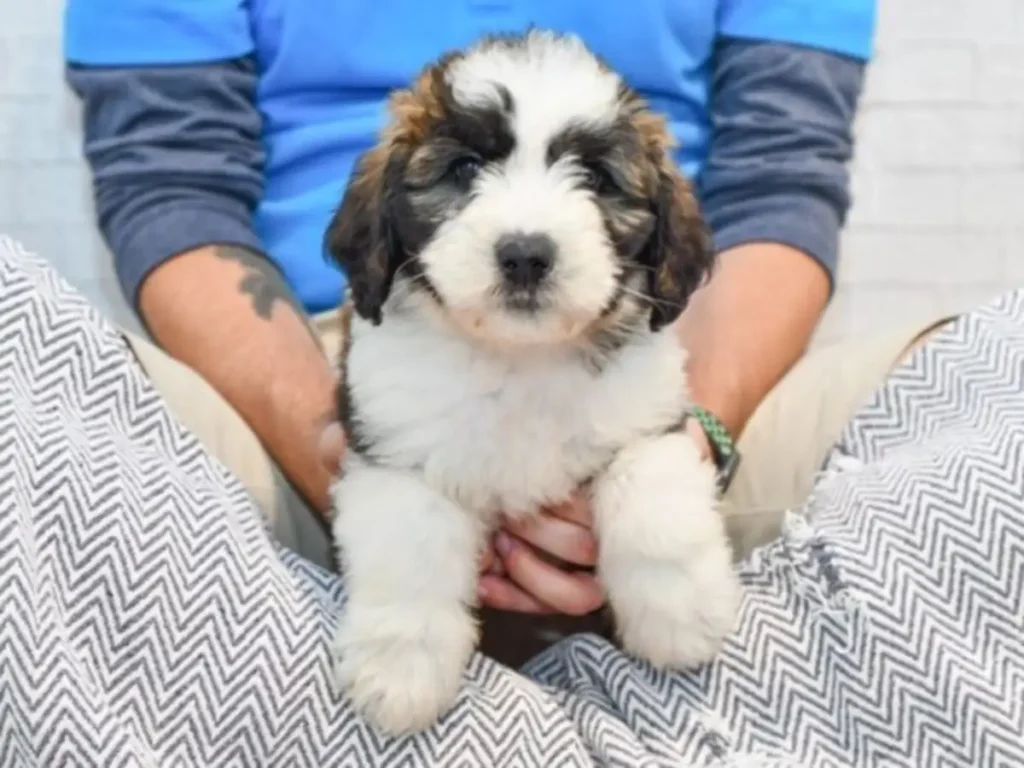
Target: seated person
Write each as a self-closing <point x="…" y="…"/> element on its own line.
<point x="221" y="134"/>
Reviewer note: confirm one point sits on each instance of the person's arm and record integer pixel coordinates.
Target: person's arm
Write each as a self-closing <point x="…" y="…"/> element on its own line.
<point x="173" y="137"/>
<point x="749" y="326"/>
<point x="775" y="193"/>
<point x="226" y="312"/>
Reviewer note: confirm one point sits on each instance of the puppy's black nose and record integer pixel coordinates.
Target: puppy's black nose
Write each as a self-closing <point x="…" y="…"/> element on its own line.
<point x="525" y="259"/>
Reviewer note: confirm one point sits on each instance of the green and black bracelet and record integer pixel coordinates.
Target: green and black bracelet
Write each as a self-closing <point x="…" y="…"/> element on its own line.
<point x="723" y="449"/>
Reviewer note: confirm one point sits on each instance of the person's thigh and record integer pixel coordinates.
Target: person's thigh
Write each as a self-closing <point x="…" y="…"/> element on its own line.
<point x="786" y="440"/>
<point x="227" y="437"/>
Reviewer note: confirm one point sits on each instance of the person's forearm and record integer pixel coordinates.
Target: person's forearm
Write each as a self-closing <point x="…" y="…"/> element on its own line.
<point x="227" y="313"/>
<point x="749" y="325"/>
<point x="774" y="191"/>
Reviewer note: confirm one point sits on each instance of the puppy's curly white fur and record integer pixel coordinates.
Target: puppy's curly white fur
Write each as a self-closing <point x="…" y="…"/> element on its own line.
<point x="517" y="245"/>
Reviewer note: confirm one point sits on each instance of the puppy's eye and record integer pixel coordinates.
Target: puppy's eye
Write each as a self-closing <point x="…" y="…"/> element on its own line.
<point x="464" y="169"/>
<point x="596" y="179"/>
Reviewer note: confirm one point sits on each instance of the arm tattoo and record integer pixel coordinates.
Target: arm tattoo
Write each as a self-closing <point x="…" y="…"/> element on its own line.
<point x="261" y="281"/>
<point x="264" y="284"/>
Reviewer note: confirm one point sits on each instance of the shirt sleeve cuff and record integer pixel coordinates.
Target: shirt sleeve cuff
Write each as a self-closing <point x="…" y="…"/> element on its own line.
<point x="164" y="233"/>
<point x="845" y="27"/>
<point x="799" y="220"/>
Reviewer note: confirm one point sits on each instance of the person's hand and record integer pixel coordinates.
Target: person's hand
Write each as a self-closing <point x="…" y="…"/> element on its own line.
<point x="545" y="564"/>
<point x="331" y="445"/>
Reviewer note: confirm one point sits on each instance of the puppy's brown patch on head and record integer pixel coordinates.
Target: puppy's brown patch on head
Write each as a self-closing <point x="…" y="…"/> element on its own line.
<point x="417" y="110"/>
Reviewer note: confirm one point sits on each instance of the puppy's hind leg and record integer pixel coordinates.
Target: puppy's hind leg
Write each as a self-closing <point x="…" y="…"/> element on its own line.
<point x="409" y="562"/>
<point x="663" y="553"/>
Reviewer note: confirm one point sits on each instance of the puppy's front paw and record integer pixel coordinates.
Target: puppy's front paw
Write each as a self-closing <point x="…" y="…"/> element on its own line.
<point x="676" y="615"/>
<point x="665" y="559"/>
<point x="403" y="668"/>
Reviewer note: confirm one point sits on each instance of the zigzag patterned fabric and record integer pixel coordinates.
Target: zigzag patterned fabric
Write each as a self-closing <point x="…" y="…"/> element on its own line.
<point x="147" y="619"/>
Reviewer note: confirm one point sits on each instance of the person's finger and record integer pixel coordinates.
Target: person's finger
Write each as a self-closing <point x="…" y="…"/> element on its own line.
<point x="569" y="542"/>
<point x="487" y="560"/>
<point x="490" y="562"/>
<point x="571" y="593"/>
<point x="501" y="594"/>
<point x="575" y="510"/>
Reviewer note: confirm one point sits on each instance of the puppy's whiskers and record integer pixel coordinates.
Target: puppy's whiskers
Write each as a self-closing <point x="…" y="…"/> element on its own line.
<point x="646" y="297"/>
<point x="637" y="266"/>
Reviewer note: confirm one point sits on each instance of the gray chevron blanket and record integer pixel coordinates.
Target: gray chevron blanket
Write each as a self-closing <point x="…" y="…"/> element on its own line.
<point x="147" y="619"/>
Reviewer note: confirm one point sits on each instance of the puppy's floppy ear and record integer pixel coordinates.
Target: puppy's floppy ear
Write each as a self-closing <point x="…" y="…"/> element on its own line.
<point x="679" y="253"/>
<point x="361" y="238"/>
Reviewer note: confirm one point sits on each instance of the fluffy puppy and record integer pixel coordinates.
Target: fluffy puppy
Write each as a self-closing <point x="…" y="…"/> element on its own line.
<point x="517" y="245"/>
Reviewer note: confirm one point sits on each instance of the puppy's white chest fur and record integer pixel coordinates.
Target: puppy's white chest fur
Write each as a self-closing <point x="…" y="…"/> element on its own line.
<point x="505" y="433"/>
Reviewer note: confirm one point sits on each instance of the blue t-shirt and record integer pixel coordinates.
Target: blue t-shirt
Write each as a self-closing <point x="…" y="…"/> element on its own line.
<point x="326" y="67"/>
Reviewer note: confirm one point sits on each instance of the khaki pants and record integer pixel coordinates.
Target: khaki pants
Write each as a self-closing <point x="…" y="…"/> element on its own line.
<point x="782" y="446"/>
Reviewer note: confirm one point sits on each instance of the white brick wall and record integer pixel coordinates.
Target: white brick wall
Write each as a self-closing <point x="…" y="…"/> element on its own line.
<point x="938" y="178"/>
